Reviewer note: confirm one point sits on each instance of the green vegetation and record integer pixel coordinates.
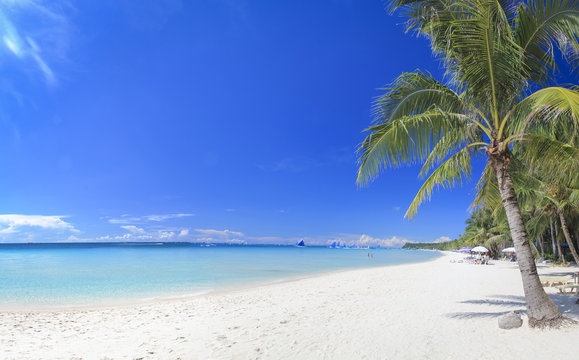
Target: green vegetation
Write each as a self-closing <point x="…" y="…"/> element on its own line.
<point x="499" y="57"/>
<point x="448" y="245"/>
<point x="549" y="207"/>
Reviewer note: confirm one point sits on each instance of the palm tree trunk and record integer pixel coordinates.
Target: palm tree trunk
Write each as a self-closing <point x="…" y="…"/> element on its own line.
<point x="541" y="246"/>
<point x="568" y="236"/>
<point x="553" y="238"/>
<point x="540" y="309"/>
<point x="561" y="255"/>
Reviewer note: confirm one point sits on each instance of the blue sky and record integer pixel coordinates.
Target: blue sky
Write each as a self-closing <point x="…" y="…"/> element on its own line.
<point x="223" y="120"/>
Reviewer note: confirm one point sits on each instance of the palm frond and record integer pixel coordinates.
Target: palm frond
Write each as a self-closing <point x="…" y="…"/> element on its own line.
<point x="540" y="26"/>
<point x="546" y="111"/>
<point x="485" y="56"/>
<point x="414" y="93"/>
<point x="574" y="198"/>
<point x="537" y="224"/>
<point x="456" y="138"/>
<point x="401" y="141"/>
<point x="510" y="9"/>
<point x="487" y="190"/>
<point x="455" y="169"/>
<point x="545" y="155"/>
<point x="411" y="117"/>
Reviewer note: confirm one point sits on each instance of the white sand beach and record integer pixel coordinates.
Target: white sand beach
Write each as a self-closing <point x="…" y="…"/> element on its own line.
<point x="433" y="310"/>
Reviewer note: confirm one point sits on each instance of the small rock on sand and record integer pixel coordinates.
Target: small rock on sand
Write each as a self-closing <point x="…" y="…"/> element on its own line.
<point x="511" y="320"/>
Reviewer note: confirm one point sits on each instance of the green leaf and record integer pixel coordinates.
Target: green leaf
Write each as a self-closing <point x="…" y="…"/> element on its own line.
<point x="454" y="170"/>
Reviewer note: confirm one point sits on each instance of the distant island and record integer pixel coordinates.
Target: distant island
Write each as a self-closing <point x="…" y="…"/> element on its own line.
<point x="447" y="245"/>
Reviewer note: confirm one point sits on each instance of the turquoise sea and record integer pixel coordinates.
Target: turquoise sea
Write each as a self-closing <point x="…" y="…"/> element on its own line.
<point x="75" y="274"/>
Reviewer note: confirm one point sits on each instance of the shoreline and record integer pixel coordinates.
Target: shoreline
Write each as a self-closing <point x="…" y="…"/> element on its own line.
<point x="220" y="290"/>
<point x="434" y="309"/>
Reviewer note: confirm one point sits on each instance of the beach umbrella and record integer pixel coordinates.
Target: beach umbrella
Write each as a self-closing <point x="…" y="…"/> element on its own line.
<point x="509" y="249"/>
<point x="464" y="249"/>
<point x="480" y="249"/>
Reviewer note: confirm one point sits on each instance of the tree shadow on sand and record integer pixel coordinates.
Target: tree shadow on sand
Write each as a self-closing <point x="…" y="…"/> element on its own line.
<point x="494" y="302"/>
<point x="566" y="303"/>
<point x="560" y="273"/>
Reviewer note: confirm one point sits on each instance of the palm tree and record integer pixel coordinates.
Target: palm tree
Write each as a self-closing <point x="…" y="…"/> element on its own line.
<point x="545" y="199"/>
<point x="485" y="227"/>
<point x="556" y="196"/>
<point x="537" y="225"/>
<point x="499" y="56"/>
<point x="559" y="197"/>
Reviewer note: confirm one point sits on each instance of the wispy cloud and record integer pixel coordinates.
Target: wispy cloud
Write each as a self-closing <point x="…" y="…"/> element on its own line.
<point x="166" y="217"/>
<point x="219" y="233"/>
<point x="35" y="33"/>
<point x="124" y="220"/>
<point x="154" y="227"/>
<point x="133" y="229"/>
<point x="15" y="223"/>
<point x="128" y="219"/>
<point x="135" y="233"/>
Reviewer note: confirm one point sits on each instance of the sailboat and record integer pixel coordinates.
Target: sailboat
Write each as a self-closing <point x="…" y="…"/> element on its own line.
<point x="300" y="243"/>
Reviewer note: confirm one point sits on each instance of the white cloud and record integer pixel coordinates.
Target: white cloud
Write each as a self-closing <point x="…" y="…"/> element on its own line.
<point x="219" y="236"/>
<point x="11" y="45"/>
<point x="46" y="70"/>
<point x="166" y="217"/>
<point x="152" y="232"/>
<point x="361" y="240"/>
<point x="147" y="228"/>
<point x="128" y="237"/>
<point x="34" y="31"/>
<point x="126" y="219"/>
<point x="220" y="233"/>
<point x="392" y="242"/>
<point x="166" y="235"/>
<point x="15" y="222"/>
<point x="133" y="229"/>
<point x="125" y="237"/>
<point x="442" y="239"/>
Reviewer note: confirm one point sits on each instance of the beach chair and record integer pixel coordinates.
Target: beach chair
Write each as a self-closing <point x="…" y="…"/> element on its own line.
<point x="571" y="287"/>
<point x="555" y="280"/>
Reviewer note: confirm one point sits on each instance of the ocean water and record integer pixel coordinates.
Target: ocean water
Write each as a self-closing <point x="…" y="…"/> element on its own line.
<point x="75" y="274"/>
